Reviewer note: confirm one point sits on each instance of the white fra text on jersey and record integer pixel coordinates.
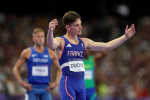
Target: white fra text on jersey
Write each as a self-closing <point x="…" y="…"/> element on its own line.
<point x="75" y="53"/>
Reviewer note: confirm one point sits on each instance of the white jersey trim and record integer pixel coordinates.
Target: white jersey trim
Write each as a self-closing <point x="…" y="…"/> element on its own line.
<point x="64" y="65"/>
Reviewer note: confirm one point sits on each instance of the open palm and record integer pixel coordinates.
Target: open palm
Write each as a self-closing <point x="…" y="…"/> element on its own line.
<point x="129" y="32"/>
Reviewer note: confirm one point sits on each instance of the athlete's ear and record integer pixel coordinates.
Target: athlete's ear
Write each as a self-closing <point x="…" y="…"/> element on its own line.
<point x="67" y="27"/>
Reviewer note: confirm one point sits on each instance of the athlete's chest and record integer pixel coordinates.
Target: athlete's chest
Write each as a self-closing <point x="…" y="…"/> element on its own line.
<point x="39" y="58"/>
<point x="70" y="46"/>
<point x="74" y="50"/>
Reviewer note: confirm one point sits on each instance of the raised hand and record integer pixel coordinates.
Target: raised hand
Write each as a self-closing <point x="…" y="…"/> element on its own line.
<point x="130" y="32"/>
<point x="53" y="24"/>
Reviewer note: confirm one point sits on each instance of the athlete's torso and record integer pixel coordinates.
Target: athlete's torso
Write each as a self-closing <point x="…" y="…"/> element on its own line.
<point x="38" y="66"/>
<point x="71" y="60"/>
<point x="89" y="72"/>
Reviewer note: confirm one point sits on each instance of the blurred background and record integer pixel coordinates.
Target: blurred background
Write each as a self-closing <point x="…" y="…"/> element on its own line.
<point x="122" y="75"/>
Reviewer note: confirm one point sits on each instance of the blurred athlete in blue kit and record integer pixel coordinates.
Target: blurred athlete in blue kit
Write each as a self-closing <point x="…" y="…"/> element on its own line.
<point x="39" y="60"/>
<point x="70" y="53"/>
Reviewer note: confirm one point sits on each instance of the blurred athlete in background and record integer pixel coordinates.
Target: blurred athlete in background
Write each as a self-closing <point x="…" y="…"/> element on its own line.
<point x="90" y="64"/>
<point x="39" y="60"/>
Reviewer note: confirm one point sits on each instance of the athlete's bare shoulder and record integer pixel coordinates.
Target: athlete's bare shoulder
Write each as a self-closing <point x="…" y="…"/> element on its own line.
<point x="26" y="53"/>
<point x="27" y="50"/>
<point x="86" y="41"/>
<point x="58" y="38"/>
<point x="60" y="41"/>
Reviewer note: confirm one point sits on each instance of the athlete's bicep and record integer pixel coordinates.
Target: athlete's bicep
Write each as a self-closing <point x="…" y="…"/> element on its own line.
<point x="56" y="42"/>
<point x="21" y="60"/>
<point x="96" y="46"/>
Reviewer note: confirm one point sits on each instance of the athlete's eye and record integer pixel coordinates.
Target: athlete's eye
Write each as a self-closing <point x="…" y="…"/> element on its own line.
<point x="77" y="25"/>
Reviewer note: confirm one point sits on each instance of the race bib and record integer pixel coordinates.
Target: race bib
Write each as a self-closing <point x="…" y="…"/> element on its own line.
<point x="76" y="66"/>
<point x="39" y="70"/>
<point x="88" y="74"/>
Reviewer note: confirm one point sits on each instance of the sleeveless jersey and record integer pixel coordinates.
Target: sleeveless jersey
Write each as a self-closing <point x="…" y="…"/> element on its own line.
<point x="39" y="67"/>
<point x="71" y="60"/>
<point x="89" y="72"/>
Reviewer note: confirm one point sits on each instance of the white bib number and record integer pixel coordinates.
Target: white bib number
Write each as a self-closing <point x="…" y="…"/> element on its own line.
<point x="39" y="70"/>
<point x="76" y="66"/>
<point x="88" y="74"/>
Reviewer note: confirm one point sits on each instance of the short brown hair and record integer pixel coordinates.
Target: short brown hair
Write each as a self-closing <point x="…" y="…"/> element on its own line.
<point x="36" y="30"/>
<point x="70" y="17"/>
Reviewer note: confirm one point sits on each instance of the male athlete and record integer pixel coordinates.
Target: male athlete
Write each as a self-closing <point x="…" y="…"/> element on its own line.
<point x="70" y="53"/>
<point x="91" y="64"/>
<point x="39" y="60"/>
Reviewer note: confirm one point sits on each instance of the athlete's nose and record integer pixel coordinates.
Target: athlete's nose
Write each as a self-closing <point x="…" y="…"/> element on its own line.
<point x="80" y="27"/>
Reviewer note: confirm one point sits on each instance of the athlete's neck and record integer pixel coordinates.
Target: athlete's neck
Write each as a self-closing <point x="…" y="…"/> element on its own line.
<point x="71" y="36"/>
<point x="39" y="49"/>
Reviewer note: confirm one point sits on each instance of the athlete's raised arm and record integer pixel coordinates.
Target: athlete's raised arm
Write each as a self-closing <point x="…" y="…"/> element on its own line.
<point x="18" y="65"/>
<point x="51" y="42"/>
<point x="99" y="46"/>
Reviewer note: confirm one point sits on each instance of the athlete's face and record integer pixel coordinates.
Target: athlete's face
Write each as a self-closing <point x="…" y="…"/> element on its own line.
<point x="39" y="38"/>
<point x="76" y="28"/>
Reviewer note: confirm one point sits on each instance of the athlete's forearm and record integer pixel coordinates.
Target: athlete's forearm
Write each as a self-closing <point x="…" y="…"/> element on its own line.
<point x="50" y="39"/>
<point x="116" y="42"/>
<point x="59" y="73"/>
<point x="17" y="75"/>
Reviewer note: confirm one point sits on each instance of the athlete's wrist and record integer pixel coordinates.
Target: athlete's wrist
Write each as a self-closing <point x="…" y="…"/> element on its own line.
<point x="125" y="36"/>
<point x="56" y="82"/>
<point x="50" y="31"/>
<point x="20" y="81"/>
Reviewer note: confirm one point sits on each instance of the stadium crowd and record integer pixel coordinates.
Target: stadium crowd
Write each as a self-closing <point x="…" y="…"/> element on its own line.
<point x="122" y="75"/>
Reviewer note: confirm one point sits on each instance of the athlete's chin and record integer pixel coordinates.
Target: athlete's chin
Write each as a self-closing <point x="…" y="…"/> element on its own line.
<point x="79" y="33"/>
<point x="40" y="44"/>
